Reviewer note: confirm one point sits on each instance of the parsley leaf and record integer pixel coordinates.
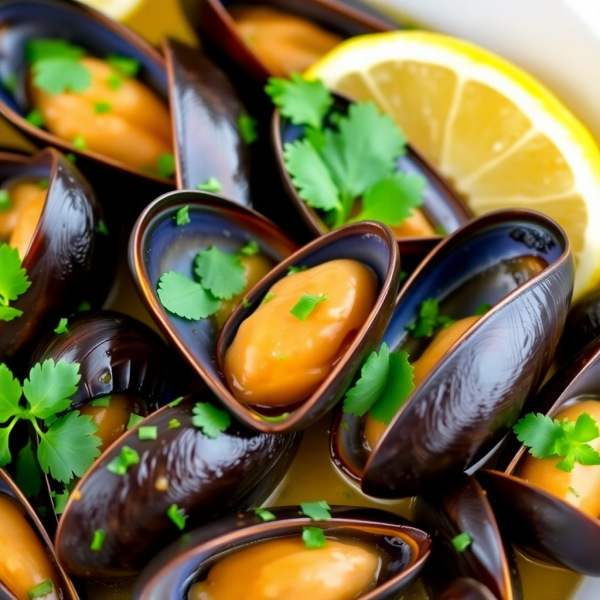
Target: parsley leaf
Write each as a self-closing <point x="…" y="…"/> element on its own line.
<point x="186" y="298"/>
<point x="539" y="433"/>
<point x="60" y="501"/>
<point x="210" y="420"/>
<point x="127" y="66"/>
<point x="10" y="394"/>
<point x="59" y="75"/>
<point x="40" y="49"/>
<point x="307" y="303"/>
<point x="62" y="326"/>
<point x="220" y="272"/>
<point x="317" y="511"/>
<point x="13" y="278"/>
<point x="302" y="102"/>
<point x="247" y="128"/>
<point x="429" y="319"/>
<point x="8" y="313"/>
<point x="183" y="216"/>
<point x="27" y="474"/>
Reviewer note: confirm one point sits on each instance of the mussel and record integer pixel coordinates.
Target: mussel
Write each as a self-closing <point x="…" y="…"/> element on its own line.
<point x="24" y="543"/>
<point x="59" y="247"/>
<point x="466" y="589"/>
<point x="520" y="264"/>
<point x="388" y="548"/>
<point x="185" y="476"/>
<point x="556" y="523"/>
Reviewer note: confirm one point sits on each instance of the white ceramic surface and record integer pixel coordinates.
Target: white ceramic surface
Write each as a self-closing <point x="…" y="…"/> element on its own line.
<point x="558" y="41"/>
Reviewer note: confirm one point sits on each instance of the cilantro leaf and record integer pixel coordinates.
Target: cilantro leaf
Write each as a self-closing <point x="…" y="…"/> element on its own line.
<point x="5" y="455"/>
<point x="311" y="177"/>
<point x="8" y="313"/>
<point x="62" y="326"/>
<point x="182" y="216"/>
<point x="539" y="433"/>
<point x="28" y="476"/>
<point x="392" y="199"/>
<point x="373" y="378"/>
<point x="186" y="298"/>
<point x="307" y="303"/>
<point x="69" y="447"/>
<point x="13" y="278"/>
<point x="429" y="319"/>
<point x="586" y="428"/>
<point x="50" y="387"/>
<point x="302" y="102"/>
<point x="317" y="511"/>
<point x="220" y="272"/>
<point x="398" y="387"/>
<point x="127" y="66"/>
<point x="40" y="49"/>
<point x="10" y="394"/>
<point x="59" y="75"/>
<point x="210" y="420"/>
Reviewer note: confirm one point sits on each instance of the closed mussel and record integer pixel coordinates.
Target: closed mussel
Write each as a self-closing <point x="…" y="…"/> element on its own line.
<point x="495" y="294"/>
<point x="366" y="553"/>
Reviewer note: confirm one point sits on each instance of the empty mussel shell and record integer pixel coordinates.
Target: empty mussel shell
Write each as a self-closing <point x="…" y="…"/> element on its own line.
<point x="544" y="525"/>
<point x="474" y="394"/>
<point x="171" y="574"/>
<point x="442" y="206"/>
<point x="8" y="489"/>
<point x="344" y="19"/>
<point x="466" y="588"/>
<point x="204" y="477"/>
<point x="463" y="508"/>
<point x="59" y="257"/>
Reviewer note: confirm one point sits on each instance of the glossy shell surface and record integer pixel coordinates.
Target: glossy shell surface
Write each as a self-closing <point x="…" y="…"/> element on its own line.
<point x="206" y="478"/>
<point x="171" y="573"/>
<point x="545" y="526"/>
<point x="370" y="243"/>
<point x="466" y="589"/>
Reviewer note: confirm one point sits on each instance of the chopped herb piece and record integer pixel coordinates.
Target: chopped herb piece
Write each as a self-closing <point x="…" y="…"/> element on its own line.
<point x="177" y="515"/>
<point x="462" y="541"/>
<point x="43" y="589"/>
<point x="127" y="458"/>
<point x="183" y="216"/>
<point x="247" y="129"/>
<point x="313" y="537"/>
<point x="174" y="424"/>
<point x="60" y="501"/>
<point x="101" y="108"/>
<point x="126" y="66"/>
<point x="441" y="230"/>
<point x="114" y="81"/>
<point x="59" y="75"/>
<point x="101" y="402"/>
<point x="345" y="426"/>
<point x="28" y="476"/>
<point x="294" y="269"/>
<point x="13" y="281"/>
<point x="134" y="421"/>
<point x="79" y="143"/>
<point x="250" y="249"/>
<point x="44" y="183"/>
<point x="220" y="272"/>
<point x="210" y="420"/>
<point x="185" y="298"/>
<point x="41" y="49"/>
<point x="166" y="166"/>
<point x="574" y="491"/>
<point x="102" y="228"/>
<point x="429" y="319"/>
<point x="212" y="184"/>
<point x="302" y="102"/>
<point x="35" y="117"/>
<point x="245" y="302"/>
<point x="264" y="514"/>
<point x="71" y="157"/>
<point x="307" y="303"/>
<point x="175" y="402"/>
<point x="317" y="511"/>
<point x="482" y="309"/>
<point x="62" y="326"/>
<point x="5" y="203"/>
<point x="277" y="419"/>
<point x="10" y="83"/>
<point x="148" y="432"/>
<point x="84" y="306"/>
<point x="550" y="438"/>
<point x="268" y="296"/>
<point x="98" y="541"/>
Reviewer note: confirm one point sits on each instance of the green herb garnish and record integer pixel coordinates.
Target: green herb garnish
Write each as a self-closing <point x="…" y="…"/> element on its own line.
<point x="264" y="515"/>
<point x="210" y="420"/>
<point x="28" y="475"/>
<point x="482" y="309"/>
<point x="127" y="458"/>
<point x="429" y="319"/>
<point x="313" y="537"/>
<point x="79" y="143"/>
<point x="13" y="282"/>
<point x="174" y="424"/>
<point x="247" y="129"/>
<point x="43" y="589"/>
<point x="549" y="438"/>
<point x="185" y="297"/>
<point x="114" y="81"/>
<point x="212" y="184"/>
<point x="134" y="420"/>
<point x="276" y="419"/>
<point x="175" y="402"/>
<point x="268" y="297"/>
<point x="345" y="426"/>
<point x="148" y="432"/>
<point x="462" y="541"/>
<point x="165" y="166"/>
<point x="5" y="203"/>
<point x="62" y="326"/>
<point x="71" y="157"/>
<point x="386" y="381"/>
<point x="317" y="511"/>
<point x="246" y="303"/>
<point x="43" y="49"/>
<point x="84" y="306"/>
<point x="35" y="117"/>
<point x="441" y="230"/>
<point x="177" y="515"/>
<point x="220" y="272"/>
<point x="183" y="216"/>
<point x="307" y="303"/>
<point x="292" y="270"/>
<point x="60" y="501"/>
<point x="44" y="183"/>
<point x="98" y="540"/>
<point x="101" y="402"/>
<point x="56" y="66"/>
<point x="574" y="491"/>
<point x="102" y="228"/>
<point x="250" y="249"/>
<point x="102" y="108"/>
<point x="126" y="66"/>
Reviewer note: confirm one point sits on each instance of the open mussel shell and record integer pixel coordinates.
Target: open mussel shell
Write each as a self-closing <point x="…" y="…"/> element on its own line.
<point x="60" y="255"/>
<point x="466" y="588"/>
<point x="205" y="112"/>
<point x="10" y="489"/>
<point x="23" y="20"/>
<point x="346" y="19"/>
<point x="475" y="393"/>
<point x="545" y="526"/>
<point x="171" y="573"/>
<point x="464" y="508"/>
<point x="442" y="206"/>
<point x="370" y="243"/>
<point x="205" y="477"/>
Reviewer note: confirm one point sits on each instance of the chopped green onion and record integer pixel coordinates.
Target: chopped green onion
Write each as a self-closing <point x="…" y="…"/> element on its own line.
<point x="127" y="458"/>
<point x="98" y="541"/>
<point x="264" y="515"/>
<point x="177" y="515"/>
<point x="43" y="589"/>
<point x="462" y="541"/>
<point x="148" y="432"/>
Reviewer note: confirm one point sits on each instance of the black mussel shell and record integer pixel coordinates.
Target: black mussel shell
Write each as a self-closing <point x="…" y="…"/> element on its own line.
<point x="60" y="255"/>
<point x="205" y="477"/>
<point x="545" y="526"/>
<point x="464" y="508"/>
<point x="466" y="589"/>
<point x="471" y="398"/>
<point x="172" y="572"/>
<point x="10" y="489"/>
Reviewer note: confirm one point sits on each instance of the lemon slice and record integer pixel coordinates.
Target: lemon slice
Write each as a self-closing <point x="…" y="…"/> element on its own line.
<point x="119" y="10"/>
<point x="501" y="137"/>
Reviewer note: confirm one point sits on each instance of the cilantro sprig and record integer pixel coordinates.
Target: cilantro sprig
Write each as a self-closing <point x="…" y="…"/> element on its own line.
<point x="67" y="444"/>
<point x="550" y="438"/>
<point x="13" y="282"/>
<point x="429" y="319"/>
<point x="342" y="159"/>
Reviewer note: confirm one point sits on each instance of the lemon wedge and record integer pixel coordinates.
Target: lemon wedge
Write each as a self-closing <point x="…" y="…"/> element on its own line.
<point x="500" y="137"/>
<point x="118" y="10"/>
